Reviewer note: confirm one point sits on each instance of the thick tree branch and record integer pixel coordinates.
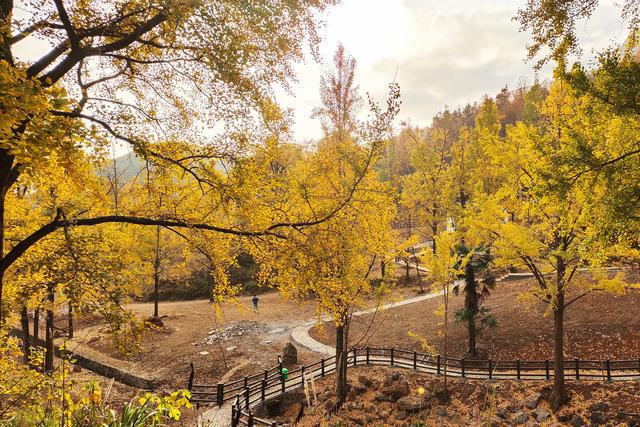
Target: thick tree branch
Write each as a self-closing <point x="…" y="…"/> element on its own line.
<point x="58" y="223"/>
<point x="45" y="23"/>
<point x="604" y="164"/>
<point x="68" y="27"/>
<point x="48" y="59"/>
<point x="77" y="55"/>
<point x="581" y="296"/>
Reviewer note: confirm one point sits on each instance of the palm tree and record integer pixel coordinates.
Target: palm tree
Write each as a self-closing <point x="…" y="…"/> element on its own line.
<point x="476" y="285"/>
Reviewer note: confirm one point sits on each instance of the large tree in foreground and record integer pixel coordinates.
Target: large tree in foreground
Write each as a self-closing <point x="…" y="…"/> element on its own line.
<point x="144" y="73"/>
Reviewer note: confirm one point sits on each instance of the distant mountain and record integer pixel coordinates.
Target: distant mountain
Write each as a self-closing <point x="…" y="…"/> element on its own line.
<point x="128" y="166"/>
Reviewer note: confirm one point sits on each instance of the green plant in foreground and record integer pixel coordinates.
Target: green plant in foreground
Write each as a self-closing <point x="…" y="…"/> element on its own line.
<point x="92" y="409"/>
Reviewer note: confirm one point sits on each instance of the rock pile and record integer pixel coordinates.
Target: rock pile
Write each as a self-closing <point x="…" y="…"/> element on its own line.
<point x="232" y="331"/>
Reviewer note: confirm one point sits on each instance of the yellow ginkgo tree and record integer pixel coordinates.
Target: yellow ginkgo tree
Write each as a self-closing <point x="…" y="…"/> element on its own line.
<point x="545" y="219"/>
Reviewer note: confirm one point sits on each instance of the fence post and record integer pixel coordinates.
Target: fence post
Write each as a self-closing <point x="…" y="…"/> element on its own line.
<point x="246" y="381"/>
<point x="546" y="367"/>
<point x="266" y="374"/>
<point x="233" y="415"/>
<point x="415" y="360"/>
<point x="302" y="377"/>
<point x="246" y="397"/>
<point x="236" y="418"/>
<point x="462" y="366"/>
<point x="250" y="419"/>
<point x="608" y="370"/>
<point x="263" y="389"/>
<point x="438" y="364"/>
<point x="322" y="367"/>
<point x="490" y="371"/>
<point x="191" y="375"/>
<point x="577" y="369"/>
<point x="518" y="368"/>
<point x="220" y="394"/>
<point x="392" y="351"/>
<point x="282" y="380"/>
<point x="367" y="355"/>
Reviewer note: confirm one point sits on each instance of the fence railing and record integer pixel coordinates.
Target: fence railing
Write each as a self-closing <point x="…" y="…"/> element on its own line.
<point x="250" y="390"/>
<point x="223" y="392"/>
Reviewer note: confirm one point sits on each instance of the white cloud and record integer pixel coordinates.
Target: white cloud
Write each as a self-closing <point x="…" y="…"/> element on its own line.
<point x="442" y="52"/>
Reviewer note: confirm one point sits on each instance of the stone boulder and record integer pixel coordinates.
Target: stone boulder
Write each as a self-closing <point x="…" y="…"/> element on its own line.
<point x="393" y="377"/>
<point x="598" y="418"/>
<point x="564" y="415"/>
<point x="394" y="387"/>
<point x="542" y="415"/>
<point x="360" y="388"/>
<point x="364" y="380"/>
<point x="599" y="406"/>
<point x="577" y="421"/>
<point x="289" y="354"/>
<point x="520" y="418"/>
<point x="411" y="403"/>
<point x="393" y="392"/>
<point x="532" y="401"/>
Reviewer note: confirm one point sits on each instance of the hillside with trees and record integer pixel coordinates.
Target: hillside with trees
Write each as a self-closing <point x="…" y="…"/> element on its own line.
<point x="163" y="226"/>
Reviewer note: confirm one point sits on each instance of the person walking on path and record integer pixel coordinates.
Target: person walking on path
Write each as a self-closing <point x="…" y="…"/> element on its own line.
<point x="255" y="300"/>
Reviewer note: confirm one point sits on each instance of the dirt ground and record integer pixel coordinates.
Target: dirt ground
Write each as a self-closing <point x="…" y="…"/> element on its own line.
<point x="165" y="352"/>
<point x="599" y="326"/>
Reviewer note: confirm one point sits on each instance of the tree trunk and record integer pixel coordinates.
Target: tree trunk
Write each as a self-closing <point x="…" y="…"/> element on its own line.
<point x="446" y="333"/>
<point x="407" y="268"/>
<point x="36" y="325"/>
<point x="26" y="342"/>
<point x="8" y="175"/>
<point x="559" y="395"/>
<point x="70" y="332"/>
<point x="3" y="191"/>
<point x="434" y="231"/>
<point x="341" y="365"/>
<point x="473" y="352"/>
<point x="471" y="307"/>
<point x="156" y="274"/>
<point x="415" y="259"/>
<point x="48" y="358"/>
<point x="383" y="268"/>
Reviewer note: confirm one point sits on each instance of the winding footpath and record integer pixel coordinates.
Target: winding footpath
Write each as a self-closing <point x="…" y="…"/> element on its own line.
<point x="300" y="334"/>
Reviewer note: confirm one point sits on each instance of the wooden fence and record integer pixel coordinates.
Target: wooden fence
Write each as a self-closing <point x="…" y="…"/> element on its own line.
<point x="248" y="391"/>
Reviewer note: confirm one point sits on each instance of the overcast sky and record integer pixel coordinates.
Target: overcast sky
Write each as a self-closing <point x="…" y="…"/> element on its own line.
<point x="444" y="52"/>
<point x="441" y="52"/>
